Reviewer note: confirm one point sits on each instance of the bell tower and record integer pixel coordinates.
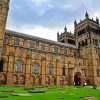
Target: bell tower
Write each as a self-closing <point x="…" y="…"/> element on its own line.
<point x="87" y="33"/>
<point x="4" y="7"/>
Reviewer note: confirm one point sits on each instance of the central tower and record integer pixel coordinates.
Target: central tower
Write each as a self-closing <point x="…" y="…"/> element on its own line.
<point x="87" y="34"/>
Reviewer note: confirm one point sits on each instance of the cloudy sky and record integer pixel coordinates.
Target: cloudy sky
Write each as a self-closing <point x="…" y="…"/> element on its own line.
<point x="44" y="18"/>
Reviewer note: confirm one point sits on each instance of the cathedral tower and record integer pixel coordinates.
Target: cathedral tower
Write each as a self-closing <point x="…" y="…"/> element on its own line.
<point x="87" y="34"/>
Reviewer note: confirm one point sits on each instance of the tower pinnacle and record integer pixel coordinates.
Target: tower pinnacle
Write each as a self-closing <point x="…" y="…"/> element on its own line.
<point x="86" y="15"/>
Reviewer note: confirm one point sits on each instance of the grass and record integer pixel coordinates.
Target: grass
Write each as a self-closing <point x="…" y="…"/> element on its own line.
<point x="54" y="93"/>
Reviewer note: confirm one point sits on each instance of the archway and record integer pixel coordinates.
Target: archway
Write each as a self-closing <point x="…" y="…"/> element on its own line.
<point x="77" y="79"/>
<point x="22" y="80"/>
<point x="3" y="79"/>
<point x="1" y="65"/>
<point x="38" y="81"/>
<point x="15" y="79"/>
<point x="54" y="81"/>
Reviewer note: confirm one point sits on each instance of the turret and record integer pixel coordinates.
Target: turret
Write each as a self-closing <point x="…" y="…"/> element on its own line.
<point x="86" y="15"/>
<point x="75" y="22"/>
<point x="65" y="29"/>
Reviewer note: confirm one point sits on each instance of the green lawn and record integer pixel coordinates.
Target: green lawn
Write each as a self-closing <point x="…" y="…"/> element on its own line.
<point x="54" y="93"/>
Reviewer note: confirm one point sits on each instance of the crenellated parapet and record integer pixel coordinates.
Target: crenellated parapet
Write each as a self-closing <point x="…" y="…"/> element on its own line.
<point x="66" y="37"/>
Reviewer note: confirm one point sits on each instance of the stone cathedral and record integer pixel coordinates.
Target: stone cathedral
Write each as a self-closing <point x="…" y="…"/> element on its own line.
<point x="74" y="59"/>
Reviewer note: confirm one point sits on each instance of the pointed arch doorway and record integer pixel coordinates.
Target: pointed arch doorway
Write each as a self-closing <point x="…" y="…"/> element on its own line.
<point x="1" y="65"/>
<point x="77" y="79"/>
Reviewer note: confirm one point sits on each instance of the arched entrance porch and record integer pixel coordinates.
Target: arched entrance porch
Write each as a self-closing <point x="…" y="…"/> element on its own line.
<point x="77" y="79"/>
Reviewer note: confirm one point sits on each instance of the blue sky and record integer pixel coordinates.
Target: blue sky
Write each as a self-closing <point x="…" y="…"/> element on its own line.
<point x="44" y="18"/>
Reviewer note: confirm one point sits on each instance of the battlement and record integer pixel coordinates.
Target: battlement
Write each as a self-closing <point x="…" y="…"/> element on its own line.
<point x="66" y="37"/>
<point x="87" y="19"/>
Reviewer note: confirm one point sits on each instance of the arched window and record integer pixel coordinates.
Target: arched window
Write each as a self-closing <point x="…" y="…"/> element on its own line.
<point x="50" y="69"/>
<point x="19" y="66"/>
<point x="63" y="71"/>
<point x="5" y="39"/>
<point x="35" y="68"/>
<point x="32" y="44"/>
<point x="42" y="46"/>
<point x="16" y="41"/>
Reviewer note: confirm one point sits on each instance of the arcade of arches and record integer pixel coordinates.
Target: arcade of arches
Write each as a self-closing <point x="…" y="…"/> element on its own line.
<point x="19" y="77"/>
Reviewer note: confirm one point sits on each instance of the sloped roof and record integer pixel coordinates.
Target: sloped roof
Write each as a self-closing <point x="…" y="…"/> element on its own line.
<point x="31" y="37"/>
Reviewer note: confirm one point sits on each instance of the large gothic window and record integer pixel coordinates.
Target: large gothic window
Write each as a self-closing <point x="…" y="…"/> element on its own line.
<point x="50" y="69"/>
<point x="35" y="68"/>
<point x="63" y="71"/>
<point x="19" y="66"/>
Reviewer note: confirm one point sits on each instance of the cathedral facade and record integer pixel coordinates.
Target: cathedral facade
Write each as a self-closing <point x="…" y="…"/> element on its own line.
<point x="74" y="59"/>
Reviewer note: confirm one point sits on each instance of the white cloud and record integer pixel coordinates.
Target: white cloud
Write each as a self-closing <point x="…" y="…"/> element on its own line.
<point x="39" y="31"/>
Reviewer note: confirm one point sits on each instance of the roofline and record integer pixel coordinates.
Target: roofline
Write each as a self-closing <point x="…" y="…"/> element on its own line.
<point x="23" y="35"/>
